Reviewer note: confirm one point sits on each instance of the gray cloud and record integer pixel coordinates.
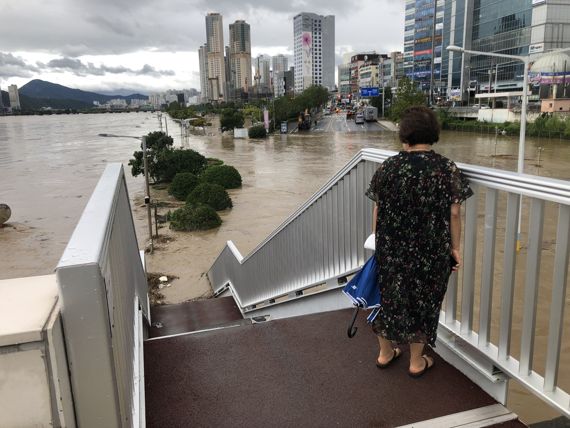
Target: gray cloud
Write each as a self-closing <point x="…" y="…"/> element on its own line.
<point x="324" y="7"/>
<point x="124" y="26"/>
<point x="71" y="29"/>
<point x="80" y="68"/>
<point x="13" y="66"/>
<point x="148" y="70"/>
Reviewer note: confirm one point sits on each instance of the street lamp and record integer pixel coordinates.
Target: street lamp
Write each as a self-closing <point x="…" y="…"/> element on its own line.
<point x="147" y="186"/>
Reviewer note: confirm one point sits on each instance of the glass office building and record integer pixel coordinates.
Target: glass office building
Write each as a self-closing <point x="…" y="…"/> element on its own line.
<point x="499" y="26"/>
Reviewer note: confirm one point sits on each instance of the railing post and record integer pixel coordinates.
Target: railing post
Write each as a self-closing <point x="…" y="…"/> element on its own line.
<point x="469" y="259"/>
<point x="558" y="301"/>
<point x="531" y="284"/>
<point x="488" y="266"/>
<point x="513" y="201"/>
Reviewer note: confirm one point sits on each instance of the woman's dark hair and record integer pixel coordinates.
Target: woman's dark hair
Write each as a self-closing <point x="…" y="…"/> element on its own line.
<point x="419" y="125"/>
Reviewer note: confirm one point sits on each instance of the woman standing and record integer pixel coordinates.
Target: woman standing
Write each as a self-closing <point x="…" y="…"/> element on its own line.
<point x="418" y="230"/>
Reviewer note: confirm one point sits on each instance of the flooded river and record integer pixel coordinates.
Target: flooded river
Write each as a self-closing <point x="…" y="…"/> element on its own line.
<point x="49" y="166"/>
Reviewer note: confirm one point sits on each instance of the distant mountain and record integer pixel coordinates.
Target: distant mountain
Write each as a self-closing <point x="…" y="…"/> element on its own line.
<point x="30" y="103"/>
<point x="123" y="93"/>
<point x="51" y="91"/>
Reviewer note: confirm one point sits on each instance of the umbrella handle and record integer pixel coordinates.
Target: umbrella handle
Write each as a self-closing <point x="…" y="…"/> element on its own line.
<point x="351" y="332"/>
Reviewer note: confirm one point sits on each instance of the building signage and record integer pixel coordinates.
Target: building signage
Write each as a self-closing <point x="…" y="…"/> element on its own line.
<point x="307" y="58"/>
<point x="455" y="94"/>
<point x="369" y="92"/>
<point x="546" y="78"/>
<point x="424" y="52"/>
<point x="536" y="48"/>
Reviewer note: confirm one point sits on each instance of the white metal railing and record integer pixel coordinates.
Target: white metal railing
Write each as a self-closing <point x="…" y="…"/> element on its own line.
<point x="323" y="240"/>
<point x="103" y="290"/>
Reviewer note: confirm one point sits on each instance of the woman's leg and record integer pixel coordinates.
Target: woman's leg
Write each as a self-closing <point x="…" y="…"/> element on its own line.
<point x="417" y="363"/>
<point x="386" y="352"/>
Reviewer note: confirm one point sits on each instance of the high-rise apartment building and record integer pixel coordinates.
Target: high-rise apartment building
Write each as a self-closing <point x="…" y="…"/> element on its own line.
<point x="240" y="56"/>
<point x="280" y="64"/>
<point x="314" y="50"/>
<point x="204" y="83"/>
<point x="1" y="102"/>
<point x="263" y="74"/>
<point x="14" y="97"/>
<point x="215" y="54"/>
<point x="423" y="42"/>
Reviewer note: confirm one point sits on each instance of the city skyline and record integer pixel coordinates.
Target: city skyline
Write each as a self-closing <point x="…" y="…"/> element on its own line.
<point x="111" y="46"/>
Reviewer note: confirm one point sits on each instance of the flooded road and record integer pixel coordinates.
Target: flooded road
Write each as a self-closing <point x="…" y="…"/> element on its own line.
<point x="49" y="166"/>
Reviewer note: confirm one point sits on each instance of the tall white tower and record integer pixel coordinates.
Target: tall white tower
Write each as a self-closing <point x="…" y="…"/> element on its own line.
<point x="215" y="54"/>
<point x="314" y="50"/>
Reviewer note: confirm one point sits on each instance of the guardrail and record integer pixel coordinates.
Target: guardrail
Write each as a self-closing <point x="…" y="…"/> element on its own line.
<point x="323" y="241"/>
<point x="103" y="290"/>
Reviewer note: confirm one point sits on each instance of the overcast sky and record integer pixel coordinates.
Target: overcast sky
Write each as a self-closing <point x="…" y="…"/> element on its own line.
<point x="150" y="45"/>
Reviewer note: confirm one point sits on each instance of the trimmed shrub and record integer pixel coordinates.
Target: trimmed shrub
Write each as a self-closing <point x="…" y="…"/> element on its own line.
<point x="210" y="194"/>
<point x="171" y="162"/>
<point x="225" y="175"/>
<point x="194" y="217"/>
<point x="182" y="184"/>
<point x="257" y="131"/>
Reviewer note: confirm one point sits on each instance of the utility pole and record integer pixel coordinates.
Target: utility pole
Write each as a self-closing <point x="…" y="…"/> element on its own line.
<point x="383" y="87"/>
<point x="147" y="195"/>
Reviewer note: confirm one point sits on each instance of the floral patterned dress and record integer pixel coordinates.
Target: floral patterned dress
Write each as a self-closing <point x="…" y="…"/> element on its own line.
<point x="414" y="192"/>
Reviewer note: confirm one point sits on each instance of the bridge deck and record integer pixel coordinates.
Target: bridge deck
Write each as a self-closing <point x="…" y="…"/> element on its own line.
<point x="301" y="371"/>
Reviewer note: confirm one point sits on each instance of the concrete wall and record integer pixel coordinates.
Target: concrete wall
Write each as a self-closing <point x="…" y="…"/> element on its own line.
<point x="501" y="115"/>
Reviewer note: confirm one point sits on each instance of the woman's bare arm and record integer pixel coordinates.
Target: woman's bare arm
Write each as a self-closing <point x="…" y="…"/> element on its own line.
<point x="455" y="229"/>
<point x="374" y="217"/>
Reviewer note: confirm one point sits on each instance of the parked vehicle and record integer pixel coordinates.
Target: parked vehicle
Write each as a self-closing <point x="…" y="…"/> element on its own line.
<point x="304" y="122"/>
<point x="359" y="118"/>
<point x="370" y="114"/>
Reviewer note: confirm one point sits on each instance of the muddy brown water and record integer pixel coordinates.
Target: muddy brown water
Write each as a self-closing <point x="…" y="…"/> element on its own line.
<point x="49" y="166"/>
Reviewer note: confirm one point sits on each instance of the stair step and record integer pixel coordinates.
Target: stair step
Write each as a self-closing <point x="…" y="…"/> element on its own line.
<point x="197" y="315"/>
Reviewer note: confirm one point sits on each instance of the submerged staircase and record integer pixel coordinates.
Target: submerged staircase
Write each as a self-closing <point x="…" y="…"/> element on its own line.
<point x="301" y="371"/>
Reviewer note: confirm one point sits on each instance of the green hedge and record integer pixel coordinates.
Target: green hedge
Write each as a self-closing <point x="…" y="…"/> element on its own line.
<point x="182" y="184"/>
<point x="257" y="131"/>
<point x="225" y="175"/>
<point x="194" y="217"/>
<point x="545" y="126"/>
<point x="212" y="195"/>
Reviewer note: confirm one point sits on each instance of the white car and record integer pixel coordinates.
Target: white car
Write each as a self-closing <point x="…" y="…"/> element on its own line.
<point x="359" y="118"/>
